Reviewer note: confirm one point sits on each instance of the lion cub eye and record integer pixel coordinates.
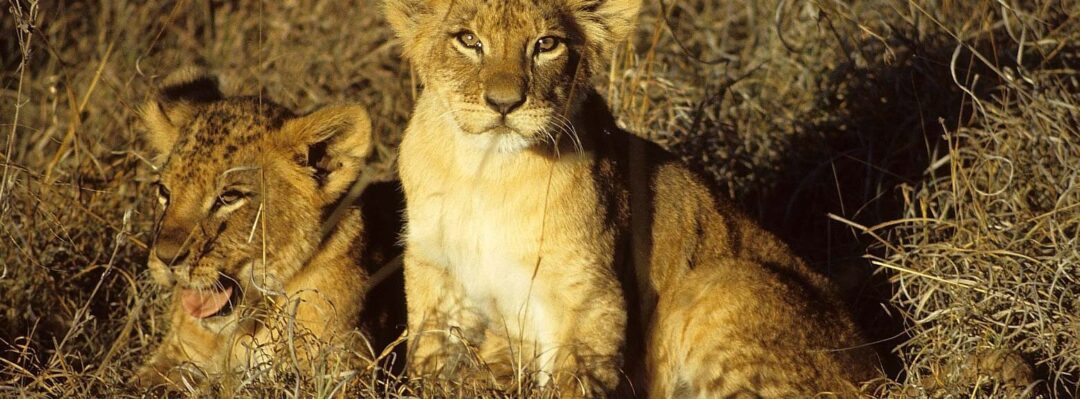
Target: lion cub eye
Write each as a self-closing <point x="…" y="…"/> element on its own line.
<point x="163" y="194"/>
<point x="229" y="197"/>
<point x="469" y="40"/>
<point x="547" y="43"/>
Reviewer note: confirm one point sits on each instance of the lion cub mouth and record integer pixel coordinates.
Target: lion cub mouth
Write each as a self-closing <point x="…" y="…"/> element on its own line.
<point x="502" y="128"/>
<point x="217" y="300"/>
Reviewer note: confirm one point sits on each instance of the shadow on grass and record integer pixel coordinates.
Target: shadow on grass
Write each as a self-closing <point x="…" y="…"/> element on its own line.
<point x="883" y="131"/>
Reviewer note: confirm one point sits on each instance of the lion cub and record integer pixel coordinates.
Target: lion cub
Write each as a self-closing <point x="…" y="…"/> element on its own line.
<point x="246" y="188"/>
<point x="560" y="249"/>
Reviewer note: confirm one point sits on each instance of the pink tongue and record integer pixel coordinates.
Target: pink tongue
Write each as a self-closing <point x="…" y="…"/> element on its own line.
<point x="202" y="304"/>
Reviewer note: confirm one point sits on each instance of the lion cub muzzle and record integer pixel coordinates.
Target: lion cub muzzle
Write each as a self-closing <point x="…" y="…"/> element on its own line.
<point x="199" y="298"/>
<point x="170" y="247"/>
<point x="504" y="92"/>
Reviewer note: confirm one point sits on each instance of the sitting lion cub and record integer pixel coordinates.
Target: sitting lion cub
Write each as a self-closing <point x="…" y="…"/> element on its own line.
<point x="246" y="189"/>
<point x="560" y="249"/>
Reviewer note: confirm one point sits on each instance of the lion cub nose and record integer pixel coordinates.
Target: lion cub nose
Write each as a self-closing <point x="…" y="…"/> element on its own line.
<point x="172" y="255"/>
<point x="504" y="96"/>
<point x="170" y="248"/>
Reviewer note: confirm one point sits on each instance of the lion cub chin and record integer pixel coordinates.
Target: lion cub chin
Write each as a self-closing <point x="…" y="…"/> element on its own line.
<point x="572" y="255"/>
<point x="245" y="188"/>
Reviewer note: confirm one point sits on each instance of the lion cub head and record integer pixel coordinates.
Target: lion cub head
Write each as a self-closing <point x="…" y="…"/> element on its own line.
<point x="514" y="69"/>
<point x="243" y="185"/>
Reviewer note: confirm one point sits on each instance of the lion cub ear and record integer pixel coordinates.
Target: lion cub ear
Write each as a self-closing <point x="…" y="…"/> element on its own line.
<point x="174" y="105"/>
<point x="403" y="15"/>
<point x="334" y="141"/>
<point x="605" y="23"/>
<point x="406" y="18"/>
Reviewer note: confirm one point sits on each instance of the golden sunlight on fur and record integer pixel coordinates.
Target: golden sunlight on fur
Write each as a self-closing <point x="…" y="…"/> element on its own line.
<point x="245" y="187"/>
<point x="565" y="251"/>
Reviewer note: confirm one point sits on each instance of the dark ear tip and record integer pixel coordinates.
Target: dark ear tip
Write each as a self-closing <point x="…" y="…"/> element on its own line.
<point x="191" y="84"/>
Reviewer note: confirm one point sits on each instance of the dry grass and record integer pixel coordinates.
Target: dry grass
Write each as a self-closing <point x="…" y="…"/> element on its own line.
<point x="986" y="248"/>
<point x="940" y="135"/>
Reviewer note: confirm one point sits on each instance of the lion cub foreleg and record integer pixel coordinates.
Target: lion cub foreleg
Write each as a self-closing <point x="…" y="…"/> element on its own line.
<point x="188" y="351"/>
<point x="316" y="320"/>
<point x="441" y="324"/>
<point x="586" y="316"/>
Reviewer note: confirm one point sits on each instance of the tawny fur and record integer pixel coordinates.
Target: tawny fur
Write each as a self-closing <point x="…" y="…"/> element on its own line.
<point x="295" y="287"/>
<point x="560" y="248"/>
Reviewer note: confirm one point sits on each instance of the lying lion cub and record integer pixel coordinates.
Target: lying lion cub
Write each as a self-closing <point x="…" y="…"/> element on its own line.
<point x="558" y="247"/>
<point x="246" y="189"/>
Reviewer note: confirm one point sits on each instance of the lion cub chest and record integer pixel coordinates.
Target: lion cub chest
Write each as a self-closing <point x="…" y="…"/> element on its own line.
<point x="486" y="236"/>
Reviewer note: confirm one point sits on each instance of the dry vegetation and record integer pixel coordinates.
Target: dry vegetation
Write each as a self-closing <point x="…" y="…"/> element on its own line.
<point x="924" y="153"/>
